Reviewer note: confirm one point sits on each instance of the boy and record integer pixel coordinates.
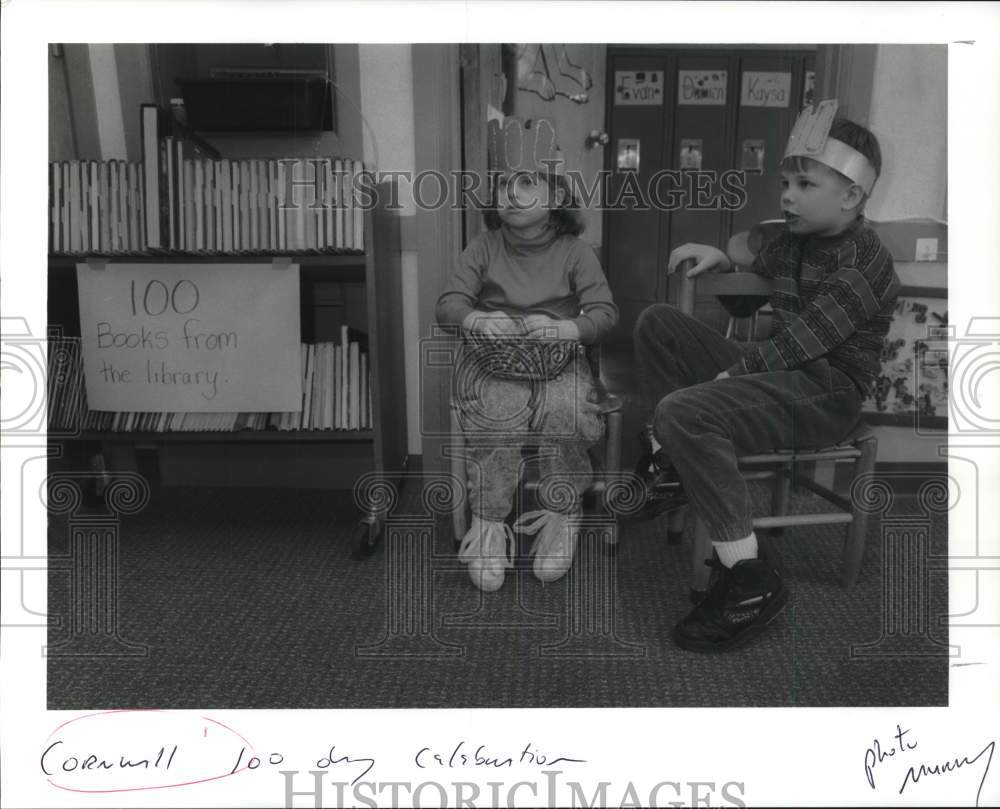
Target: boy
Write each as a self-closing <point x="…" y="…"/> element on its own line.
<point x="834" y="294"/>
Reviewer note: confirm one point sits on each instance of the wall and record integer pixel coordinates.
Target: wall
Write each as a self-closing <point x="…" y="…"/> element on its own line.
<point x="574" y="121"/>
<point x="901" y="93"/>
<point x="62" y="144"/>
<point x="909" y="115"/>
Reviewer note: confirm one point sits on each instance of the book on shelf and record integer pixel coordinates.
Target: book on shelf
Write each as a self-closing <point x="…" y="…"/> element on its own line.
<point x="307" y="388"/>
<point x="354" y="422"/>
<point x="344" y="375"/>
<point x="319" y="383"/>
<point x="363" y="392"/>
<point x="339" y="194"/>
<point x="338" y="361"/>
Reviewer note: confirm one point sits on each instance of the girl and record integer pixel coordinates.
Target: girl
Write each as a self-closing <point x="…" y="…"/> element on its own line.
<point x="528" y="295"/>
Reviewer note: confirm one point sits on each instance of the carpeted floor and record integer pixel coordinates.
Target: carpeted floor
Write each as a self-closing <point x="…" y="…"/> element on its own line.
<point x="249" y="599"/>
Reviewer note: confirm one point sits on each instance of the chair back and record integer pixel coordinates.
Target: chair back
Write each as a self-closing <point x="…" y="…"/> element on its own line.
<point x="740" y="293"/>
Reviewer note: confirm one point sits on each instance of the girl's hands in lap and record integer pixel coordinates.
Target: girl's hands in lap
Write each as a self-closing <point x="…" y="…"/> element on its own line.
<point x="491" y="324"/>
<point x="541" y="327"/>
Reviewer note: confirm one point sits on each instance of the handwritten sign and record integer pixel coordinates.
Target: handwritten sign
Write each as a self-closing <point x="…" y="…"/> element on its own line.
<point x="639" y="87"/>
<point x="766" y="89"/>
<point x="120" y="751"/>
<point x="701" y="87"/>
<point x="146" y="751"/>
<point x="191" y="337"/>
<point x="906" y="762"/>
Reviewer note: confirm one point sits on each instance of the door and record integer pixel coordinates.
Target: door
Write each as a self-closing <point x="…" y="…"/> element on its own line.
<point x="688" y="126"/>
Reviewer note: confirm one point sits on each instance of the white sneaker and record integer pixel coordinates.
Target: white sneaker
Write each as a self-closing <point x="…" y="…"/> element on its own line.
<point x="487" y="548"/>
<point x="555" y="544"/>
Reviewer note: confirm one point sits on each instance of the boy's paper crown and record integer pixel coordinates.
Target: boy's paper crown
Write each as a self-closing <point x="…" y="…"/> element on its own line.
<point x="524" y="146"/>
<point x="811" y="138"/>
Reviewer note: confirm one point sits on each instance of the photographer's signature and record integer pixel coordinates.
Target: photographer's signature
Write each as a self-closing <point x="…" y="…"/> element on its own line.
<point x="903" y="744"/>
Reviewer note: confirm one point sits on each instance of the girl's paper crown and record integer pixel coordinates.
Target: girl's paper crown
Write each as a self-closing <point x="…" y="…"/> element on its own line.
<point x="811" y="138"/>
<point x="524" y="146"/>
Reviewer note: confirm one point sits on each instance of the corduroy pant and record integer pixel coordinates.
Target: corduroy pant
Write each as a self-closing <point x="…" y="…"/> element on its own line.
<point x="703" y="424"/>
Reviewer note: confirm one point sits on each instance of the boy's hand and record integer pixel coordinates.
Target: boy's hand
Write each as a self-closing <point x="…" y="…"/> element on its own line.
<point x="543" y="327"/>
<point x="707" y="258"/>
<point x="722" y="375"/>
<point x="490" y="324"/>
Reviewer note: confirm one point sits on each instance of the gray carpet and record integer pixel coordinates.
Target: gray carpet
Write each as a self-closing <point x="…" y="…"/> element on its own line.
<point x="249" y="599"/>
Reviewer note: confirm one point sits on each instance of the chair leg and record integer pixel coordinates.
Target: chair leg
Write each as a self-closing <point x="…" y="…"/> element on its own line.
<point x="700" y="551"/>
<point x="612" y="466"/>
<point x="460" y="516"/>
<point x="613" y="443"/>
<point x="780" y="491"/>
<point x="676" y="522"/>
<point x="857" y="530"/>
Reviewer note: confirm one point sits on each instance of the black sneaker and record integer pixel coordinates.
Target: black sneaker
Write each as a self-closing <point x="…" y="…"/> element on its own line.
<point x="663" y="486"/>
<point x="651" y="466"/>
<point x="740" y="602"/>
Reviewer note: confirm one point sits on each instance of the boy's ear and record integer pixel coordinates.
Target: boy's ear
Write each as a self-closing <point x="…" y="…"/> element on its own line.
<point x="854" y="195"/>
<point x="560" y="196"/>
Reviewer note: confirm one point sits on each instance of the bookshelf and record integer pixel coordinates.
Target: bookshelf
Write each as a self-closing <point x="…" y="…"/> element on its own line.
<point x="307" y="458"/>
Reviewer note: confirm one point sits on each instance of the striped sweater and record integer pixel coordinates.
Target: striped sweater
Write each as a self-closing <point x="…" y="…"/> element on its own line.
<point x="833" y="298"/>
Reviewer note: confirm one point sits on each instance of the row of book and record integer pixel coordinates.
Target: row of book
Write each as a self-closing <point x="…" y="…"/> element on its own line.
<point x="336" y="388"/>
<point x="336" y="395"/>
<point x="96" y="207"/>
<point x="183" y="197"/>
<point x="208" y="204"/>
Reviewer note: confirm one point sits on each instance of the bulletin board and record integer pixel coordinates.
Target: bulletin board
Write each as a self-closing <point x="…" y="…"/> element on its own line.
<point x="179" y="337"/>
<point x="912" y="389"/>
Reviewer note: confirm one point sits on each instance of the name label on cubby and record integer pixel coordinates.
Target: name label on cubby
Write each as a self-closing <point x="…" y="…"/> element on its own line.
<point x="209" y="338"/>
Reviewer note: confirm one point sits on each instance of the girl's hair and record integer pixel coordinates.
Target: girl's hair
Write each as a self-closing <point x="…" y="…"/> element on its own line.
<point x="566" y="218"/>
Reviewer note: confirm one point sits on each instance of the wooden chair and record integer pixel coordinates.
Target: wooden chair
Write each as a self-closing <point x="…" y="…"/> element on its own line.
<point x="780" y="465"/>
<point x="609" y="462"/>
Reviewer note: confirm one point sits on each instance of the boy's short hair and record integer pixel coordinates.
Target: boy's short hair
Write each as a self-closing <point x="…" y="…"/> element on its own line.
<point x="859" y="139"/>
<point x="567" y="218"/>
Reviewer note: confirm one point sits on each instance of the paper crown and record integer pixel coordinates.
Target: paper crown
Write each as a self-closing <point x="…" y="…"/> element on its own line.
<point x="811" y="138"/>
<point x="514" y="146"/>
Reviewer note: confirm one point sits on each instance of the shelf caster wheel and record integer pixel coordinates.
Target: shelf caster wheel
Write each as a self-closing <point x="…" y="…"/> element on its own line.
<point x="365" y="538"/>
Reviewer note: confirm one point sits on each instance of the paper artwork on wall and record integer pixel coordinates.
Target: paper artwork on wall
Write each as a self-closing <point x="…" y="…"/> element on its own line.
<point x="764" y="89"/>
<point x="548" y="71"/>
<point x="638" y="88"/>
<point x="701" y="87"/>
<point x="912" y="387"/>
